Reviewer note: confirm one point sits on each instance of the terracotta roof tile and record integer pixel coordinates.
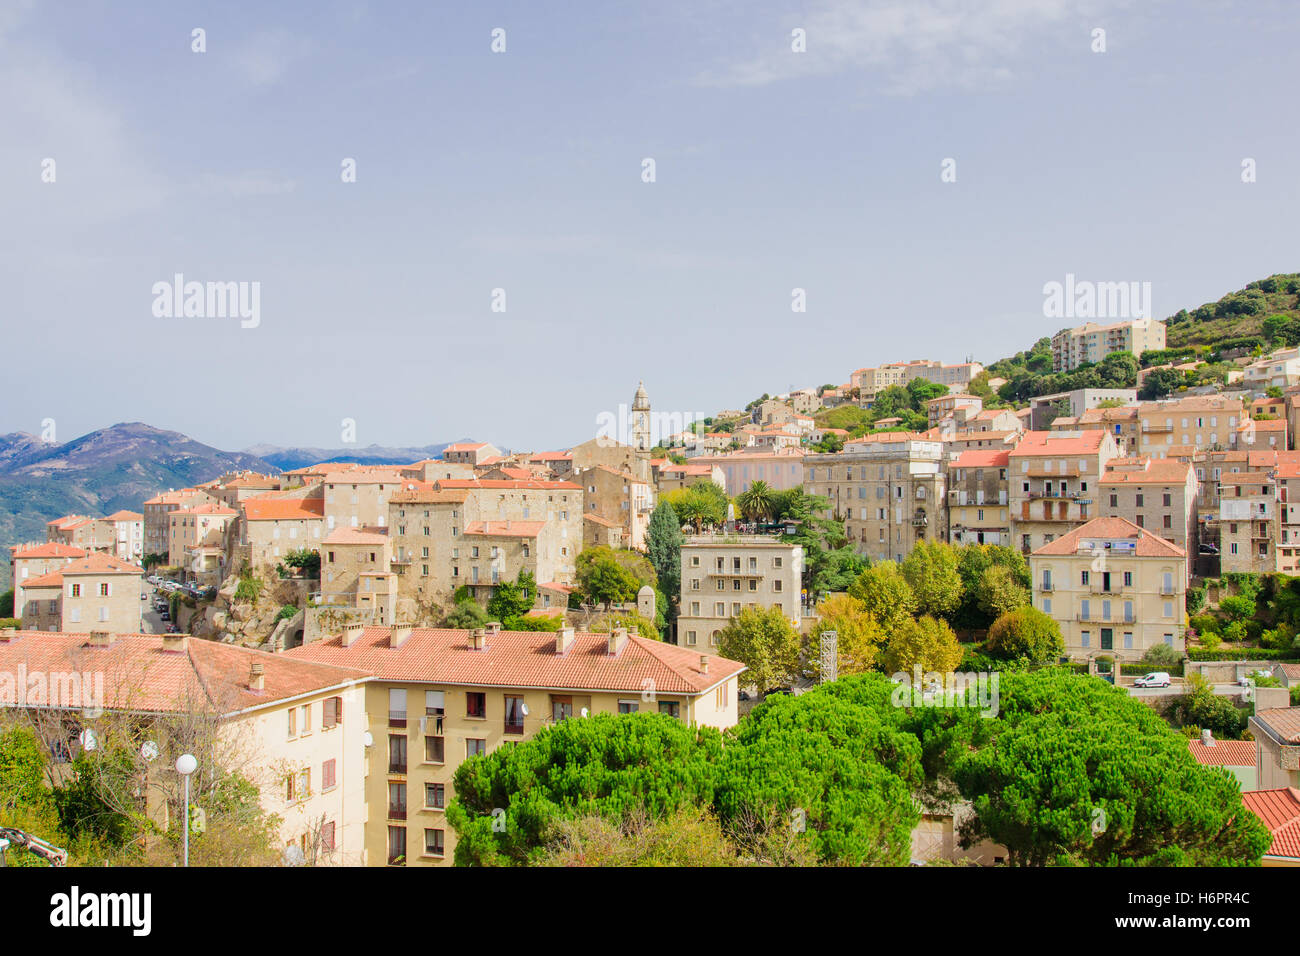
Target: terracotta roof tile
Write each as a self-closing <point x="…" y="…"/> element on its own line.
<point x="1280" y="812"/>
<point x="1224" y="753"/>
<point x="1147" y="544"/>
<point x="261" y="508"/>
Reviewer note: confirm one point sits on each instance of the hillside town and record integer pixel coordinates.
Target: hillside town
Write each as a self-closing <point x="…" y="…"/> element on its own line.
<point x="361" y="633"/>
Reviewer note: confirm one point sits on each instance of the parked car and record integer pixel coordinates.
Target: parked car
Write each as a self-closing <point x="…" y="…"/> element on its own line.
<point x="1154" y="679"/>
<point x="165" y="614"/>
<point x="173" y="629"/>
<point x="144" y="596"/>
<point x="1208" y="549"/>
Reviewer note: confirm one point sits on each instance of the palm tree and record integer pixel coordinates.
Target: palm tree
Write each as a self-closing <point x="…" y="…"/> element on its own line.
<point x="756" y="501"/>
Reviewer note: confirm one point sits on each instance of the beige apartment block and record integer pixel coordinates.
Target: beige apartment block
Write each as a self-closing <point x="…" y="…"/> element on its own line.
<point x="195" y="536"/>
<point x="82" y="531"/>
<point x="1091" y="342"/>
<point x="470" y="452"/>
<point x="495" y="552"/>
<point x="1249" y="523"/>
<point x="31" y="561"/>
<point x="350" y="557"/>
<point x="724" y="574"/>
<point x="98" y="591"/>
<point x="962" y="441"/>
<point x="557" y="464"/>
<point x="978" y="502"/>
<point x="1201" y="421"/>
<point x="600" y="532"/>
<point x="128" y="535"/>
<point x="958" y="406"/>
<point x="989" y="420"/>
<point x="358" y="497"/>
<point x="275" y="525"/>
<point x="1053" y="483"/>
<point x="670" y="477"/>
<point x="617" y="495"/>
<point x="232" y="488"/>
<point x="781" y="469"/>
<point x="441" y="696"/>
<point x="436" y="469"/>
<point x="157" y="528"/>
<point x="293" y="728"/>
<point x="1278" y="369"/>
<point x="1156" y="494"/>
<point x="1121" y="422"/>
<point x="428" y="524"/>
<point x="889" y="489"/>
<point x="1115" y="589"/>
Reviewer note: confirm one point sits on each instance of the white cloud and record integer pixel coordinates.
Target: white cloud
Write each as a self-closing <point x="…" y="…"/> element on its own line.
<point x="912" y="45"/>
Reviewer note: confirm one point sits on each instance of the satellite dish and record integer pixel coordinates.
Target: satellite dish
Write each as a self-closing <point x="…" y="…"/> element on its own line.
<point x="149" y="751"/>
<point x="584" y="711"/>
<point x="523" y="708"/>
<point x="368" y="739"/>
<point x="88" y="741"/>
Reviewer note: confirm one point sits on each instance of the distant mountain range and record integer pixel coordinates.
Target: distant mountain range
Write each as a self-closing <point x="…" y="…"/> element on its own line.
<point x="124" y="465"/>
<point x="286" y="459"/>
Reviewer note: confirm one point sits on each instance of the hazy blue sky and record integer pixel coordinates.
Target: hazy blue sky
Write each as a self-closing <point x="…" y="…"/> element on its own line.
<point x="522" y="170"/>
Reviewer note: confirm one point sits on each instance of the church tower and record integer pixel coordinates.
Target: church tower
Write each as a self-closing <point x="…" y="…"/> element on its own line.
<point x="640" y="431"/>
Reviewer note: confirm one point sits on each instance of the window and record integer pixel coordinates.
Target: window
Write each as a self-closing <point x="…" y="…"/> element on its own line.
<point x="435" y="750"/>
<point x="434" y="844"/>
<point x="475" y="747"/>
<point x="103" y="590"/>
<point x="1083" y="577"/>
<point x="305" y="718"/>
<point x="630" y="706"/>
<point x="397" y="846"/>
<point x="435" y="796"/>
<point x="669" y="707"/>
<point x="292" y="713"/>
<point x="396" y="754"/>
<point x="332" y="712"/>
<point x="476" y="704"/>
<point x="327" y="836"/>
<point x="397" y="801"/>
<point x="514" y="715"/>
<point x="396" y="708"/>
<point x="328" y="780"/>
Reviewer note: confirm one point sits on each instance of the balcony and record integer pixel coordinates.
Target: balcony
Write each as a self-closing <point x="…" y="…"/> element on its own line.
<point x="396" y="720"/>
<point x="1097" y="587"/>
<point x="514" y="729"/>
<point x="397" y="813"/>
<point x="397" y="767"/>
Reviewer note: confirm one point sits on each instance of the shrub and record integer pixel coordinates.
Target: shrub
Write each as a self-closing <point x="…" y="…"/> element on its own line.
<point x="1195" y="600"/>
<point x="1236" y="631"/>
<point x="1161" y="655"/>
<point x="1204" y="624"/>
<point x="1238" y="607"/>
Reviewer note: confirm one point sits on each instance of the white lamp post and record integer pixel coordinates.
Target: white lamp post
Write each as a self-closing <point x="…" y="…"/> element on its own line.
<point x="186" y="765"/>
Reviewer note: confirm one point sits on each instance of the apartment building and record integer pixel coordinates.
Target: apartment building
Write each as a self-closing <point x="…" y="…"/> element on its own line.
<point x="958" y="406"/>
<point x="1266" y="434"/>
<point x="470" y="452"/>
<point x="780" y="469"/>
<point x="1043" y="409"/>
<point x="127" y="535"/>
<point x="196" y="538"/>
<point x="233" y="488"/>
<point x="434" y="548"/>
<point x="157" y="528"/>
<point x="1153" y="493"/>
<point x="670" y="477"/>
<point x="1122" y="423"/>
<point x="274" y="525"/>
<point x="978" y="504"/>
<point x="98" y="591"/>
<point x="617" y="495"/>
<point x="438" y="697"/>
<point x="1114" y="589"/>
<point x="1200" y="421"/>
<point x="292" y="728"/>
<point x="724" y="574"/>
<point x="1053" y="483"/>
<point x="27" y="561"/>
<point x="358" y="497"/>
<point x="889" y="489"/>
<point x="1276" y="728"/>
<point x="554" y="464"/>
<point x="1278" y="369"/>
<point x="356" y="570"/>
<point x="1287" y="476"/>
<point x="989" y="420"/>
<point x="82" y="531"/>
<point x="1249" y="525"/>
<point x="1090" y="343"/>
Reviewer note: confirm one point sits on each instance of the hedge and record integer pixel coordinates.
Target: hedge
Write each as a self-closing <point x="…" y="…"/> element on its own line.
<point x="1127" y="668"/>
<point x="1242" y="654"/>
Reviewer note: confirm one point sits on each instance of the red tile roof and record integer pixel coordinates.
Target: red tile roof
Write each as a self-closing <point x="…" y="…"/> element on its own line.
<point x="1282" y="722"/>
<point x="283" y="509"/>
<point x="983" y="458"/>
<point x="140" y="675"/>
<point x="523" y="659"/>
<point x="355" y="536"/>
<point x="536" y="485"/>
<point x="1224" y="753"/>
<point x="1163" y="471"/>
<point x="52" y="549"/>
<point x="1148" y="545"/>
<point x="1048" y="444"/>
<point x="125" y="516"/>
<point x="1280" y="812"/>
<point x="93" y="563"/>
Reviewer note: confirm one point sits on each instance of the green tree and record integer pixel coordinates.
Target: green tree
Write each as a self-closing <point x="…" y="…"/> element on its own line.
<point x="931" y="570"/>
<point x="764" y="640"/>
<point x="755" y="502"/>
<point x="605" y="579"/>
<point x="465" y="615"/>
<point x="859" y="635"/>
<point x="924" y="642"/>
<point x="1026" y="632"/>
<point x="887" y="595"/>
<point x="664" y="545"/>
<point x="512" y="600"/>
<point x="999" y="591"/>
<point x="702" y="505"/>
<point x="7" y="603"/>
<point x="1159" y="382"/>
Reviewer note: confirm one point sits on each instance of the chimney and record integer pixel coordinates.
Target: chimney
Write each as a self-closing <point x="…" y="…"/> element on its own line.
<point x="563" y="640"/>
<point x="257" y="677"/>
<point x="398" y="634"/>
<point x="1207" y="738"/>
<point x="617" y="641"/>
<point x="100" y="639"/>
<point x="476" y="639"/>
<point x="493" y="628"/>
<point x="176" y="643"/>
<point x="704" y="663"/>
<point x="351" y="632"/>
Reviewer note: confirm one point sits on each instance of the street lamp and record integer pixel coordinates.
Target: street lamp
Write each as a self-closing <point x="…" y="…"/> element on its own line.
<point x="186" y="765"/>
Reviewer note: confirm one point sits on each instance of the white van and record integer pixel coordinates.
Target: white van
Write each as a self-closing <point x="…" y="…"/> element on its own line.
<point x="1154" y="679"/>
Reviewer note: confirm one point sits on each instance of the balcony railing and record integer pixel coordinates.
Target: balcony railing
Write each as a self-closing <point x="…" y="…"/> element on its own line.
<point x="397" y="813"/>
<point x="396" y="720"/>
<point x="396" y="766"/>
<point x="516" y="729"/>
